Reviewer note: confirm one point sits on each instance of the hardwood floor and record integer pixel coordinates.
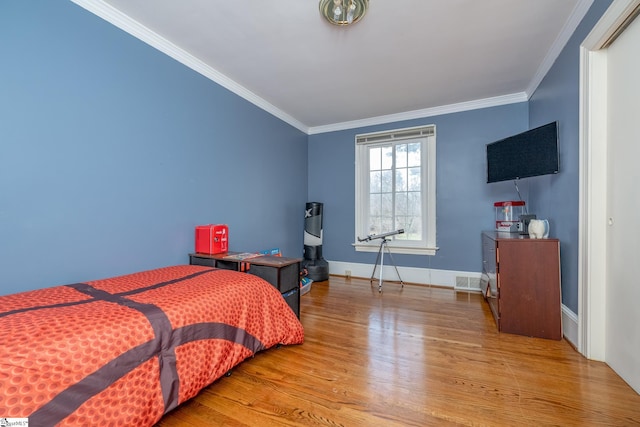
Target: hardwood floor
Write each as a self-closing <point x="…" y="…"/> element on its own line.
<point x="412" y="356"/>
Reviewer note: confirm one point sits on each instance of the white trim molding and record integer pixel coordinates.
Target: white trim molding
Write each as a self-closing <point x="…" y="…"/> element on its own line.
<point x="360" y="247"/>
<point x="569" y="28"/>
<point x="570" y="326"/>
<point x="139" y="31"/>
<point x="424" y="113"/>
<point x="592" y="212"/>
<point x="416" y="275"/>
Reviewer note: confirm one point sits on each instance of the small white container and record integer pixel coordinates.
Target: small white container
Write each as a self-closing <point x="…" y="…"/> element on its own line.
<point x="306" y="288"/>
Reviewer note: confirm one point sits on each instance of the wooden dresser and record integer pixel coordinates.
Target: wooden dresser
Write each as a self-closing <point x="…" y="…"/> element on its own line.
<point x="521" y="282"/>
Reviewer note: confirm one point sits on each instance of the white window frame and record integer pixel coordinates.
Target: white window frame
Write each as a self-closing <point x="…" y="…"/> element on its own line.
<point x="426" y="135"/>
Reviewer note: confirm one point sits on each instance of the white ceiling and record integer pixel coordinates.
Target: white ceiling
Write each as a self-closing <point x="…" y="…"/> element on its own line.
<point x="404" y="59"/>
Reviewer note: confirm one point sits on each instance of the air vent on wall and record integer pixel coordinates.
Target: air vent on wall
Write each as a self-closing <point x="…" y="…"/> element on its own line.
<point x="468" y="283"/>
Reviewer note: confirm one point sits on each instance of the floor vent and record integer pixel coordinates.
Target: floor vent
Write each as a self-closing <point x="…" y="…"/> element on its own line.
<point x="467" y="283"/>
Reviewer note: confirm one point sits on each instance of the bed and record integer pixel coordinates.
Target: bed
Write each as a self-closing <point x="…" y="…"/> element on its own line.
<point x="128" y="349"/>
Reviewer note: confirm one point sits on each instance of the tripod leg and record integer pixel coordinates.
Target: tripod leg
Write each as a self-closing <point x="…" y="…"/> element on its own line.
<point x="373" y="273"/>
<point x="381" y="264"/>
<point x="396" y="267"/>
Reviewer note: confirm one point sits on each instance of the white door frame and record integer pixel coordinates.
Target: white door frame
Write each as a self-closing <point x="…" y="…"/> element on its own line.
<point x="592" y="228"/>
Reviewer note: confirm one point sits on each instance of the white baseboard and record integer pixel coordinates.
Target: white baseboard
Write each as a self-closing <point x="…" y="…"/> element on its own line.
<point x="460" y="280"/>
<point x="570" y="326"/>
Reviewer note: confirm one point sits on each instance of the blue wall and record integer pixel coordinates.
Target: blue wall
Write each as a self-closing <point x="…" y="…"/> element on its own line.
<point x="464" y="199"/>
<point x="556" y="197"/>
<point x="111" y="153"/>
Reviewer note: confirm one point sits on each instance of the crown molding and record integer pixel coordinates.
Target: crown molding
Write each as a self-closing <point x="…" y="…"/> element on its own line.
<point x="560" y="42"/>
<point x="427" y="112"/>
<point x="139" y="31"/>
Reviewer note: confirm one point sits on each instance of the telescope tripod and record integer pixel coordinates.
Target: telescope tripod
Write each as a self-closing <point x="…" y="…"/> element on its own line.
<point x="380" y="258"/>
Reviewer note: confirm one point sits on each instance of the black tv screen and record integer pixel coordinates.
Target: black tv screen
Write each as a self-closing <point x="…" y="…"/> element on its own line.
<point x="527" y="154"/>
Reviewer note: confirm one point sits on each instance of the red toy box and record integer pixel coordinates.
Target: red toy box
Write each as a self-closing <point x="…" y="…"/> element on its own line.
<point x="212" y="239"/>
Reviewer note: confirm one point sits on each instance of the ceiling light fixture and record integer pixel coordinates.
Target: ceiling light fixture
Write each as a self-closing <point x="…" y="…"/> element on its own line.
<point x="343" y="12"/>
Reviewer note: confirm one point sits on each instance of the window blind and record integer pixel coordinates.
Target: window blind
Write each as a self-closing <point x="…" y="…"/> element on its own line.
<point x="391" y="136"/>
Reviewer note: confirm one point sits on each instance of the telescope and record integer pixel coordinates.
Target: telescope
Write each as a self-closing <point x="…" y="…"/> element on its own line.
<point x="381" y="236"/>
<point x="380" y="257"/>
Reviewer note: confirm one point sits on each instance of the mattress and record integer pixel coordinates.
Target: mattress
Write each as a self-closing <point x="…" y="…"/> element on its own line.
<point x="126" y="350"/>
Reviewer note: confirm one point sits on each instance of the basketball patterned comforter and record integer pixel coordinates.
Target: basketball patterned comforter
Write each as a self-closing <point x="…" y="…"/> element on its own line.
<point x="124" y="351"/>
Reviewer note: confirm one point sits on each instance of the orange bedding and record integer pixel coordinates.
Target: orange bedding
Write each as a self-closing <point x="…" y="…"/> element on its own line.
<point x="125" y="350"/>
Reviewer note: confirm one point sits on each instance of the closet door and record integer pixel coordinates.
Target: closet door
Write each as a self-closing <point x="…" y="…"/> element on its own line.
<point x="623" y="205"/>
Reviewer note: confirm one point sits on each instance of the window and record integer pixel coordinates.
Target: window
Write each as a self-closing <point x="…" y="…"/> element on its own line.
<point x="396" y="189"/>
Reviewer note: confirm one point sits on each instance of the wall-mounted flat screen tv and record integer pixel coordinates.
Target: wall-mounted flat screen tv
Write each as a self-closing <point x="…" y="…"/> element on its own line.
<point x="527" y="154"/>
